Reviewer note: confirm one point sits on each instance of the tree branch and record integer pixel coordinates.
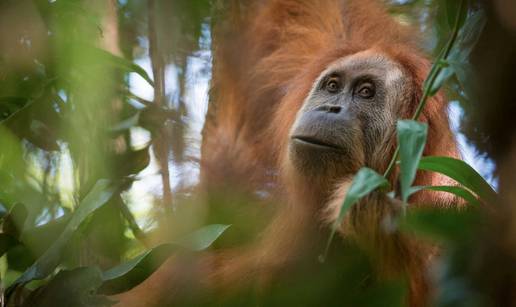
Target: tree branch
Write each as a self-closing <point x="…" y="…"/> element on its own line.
<point x="161" y="144"/>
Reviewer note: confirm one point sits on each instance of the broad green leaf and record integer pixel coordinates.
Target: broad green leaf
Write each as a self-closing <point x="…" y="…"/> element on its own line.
<point x="203" y="238"/>
<point x="19" y="258"/>
<point x="44" y="265"/>
<point x="458" y="191"/>
<point x="411" y="139"/>
<point x="461" y="172"/>
<point x="132" y="272"/>
<point x="76" y="287"/>
<point x="14" y="222"/>
<point x="364" y="182"/>
<point x="7" y="241"/>
<point x="41" y="237"/>
<point x="11" y="154"/>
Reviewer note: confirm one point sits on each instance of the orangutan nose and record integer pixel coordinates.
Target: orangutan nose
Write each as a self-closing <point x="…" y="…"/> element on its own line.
<point x="329" y="109"/>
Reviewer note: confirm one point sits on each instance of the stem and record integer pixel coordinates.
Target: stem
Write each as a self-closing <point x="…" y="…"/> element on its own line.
<point x="138" y="233"/>
<point x="161" y="145"/>
<point x="392" y="162"/>
<point x="428" y="84"/>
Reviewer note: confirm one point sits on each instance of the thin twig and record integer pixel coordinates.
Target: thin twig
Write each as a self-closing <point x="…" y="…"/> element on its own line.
<point x="141" y="100"/>
<point x="133" y="225"/>
<point x="158" y="70"/>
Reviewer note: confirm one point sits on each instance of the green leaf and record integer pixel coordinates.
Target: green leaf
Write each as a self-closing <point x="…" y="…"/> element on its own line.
<point x="132" y="161"/>
<point x="203" y="238"/>
<point x="457" y="62"/>
<point x="411" y="139"/>
<point x="10" y="105"/>
<point x="41" y="237"/>
<point x="70" y="288"/>
<point x="134" y="271"/>
<point x="458" y="191"/>
<point x="119" y="62"/>
<point x="19" y="258"/>
<point x="447" y="225"/>
<point x="470" y="34"/>
<point x="44" y="265"/>
<point x="14" y="222"/>
<point x="446" y="72"/>
<point x="461" y="172"/>
<point x="365" y="181"/>
<point x="452" y="10"/>
<point x="131" y="273"/>
<point x="126" y="124"/>
<point x="11" y="154"/>
<point x="7" y="242"/>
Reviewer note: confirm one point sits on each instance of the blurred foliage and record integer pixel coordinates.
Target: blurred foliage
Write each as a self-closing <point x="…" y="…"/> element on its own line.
<point x="70" y="157"/>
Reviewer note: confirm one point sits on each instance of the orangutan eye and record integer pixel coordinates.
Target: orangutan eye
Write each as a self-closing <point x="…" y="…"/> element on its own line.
<point x="333" y="85"/>
<point x="365" y="90"/>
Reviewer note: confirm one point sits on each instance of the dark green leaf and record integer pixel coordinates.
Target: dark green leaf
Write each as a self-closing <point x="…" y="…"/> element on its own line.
<point x="203" y="238"/>
<point x="40" y="238"/>
<point x="11" y="105"/>
<point x="7" y="242"/>
<point x="131" y="273"/>
<point x="14" y="221"/>
<point x="461" y="172"/>
<point x="132" y="162"/>
<point x="452" y="10"/>
<point x="153" y="118"/>
<point x="411" y="139"/>
<point x="119" y="62"/>
<point x="19" y="258"/>
<point x="70" y="288"/>
<point x="44" y="265"/>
